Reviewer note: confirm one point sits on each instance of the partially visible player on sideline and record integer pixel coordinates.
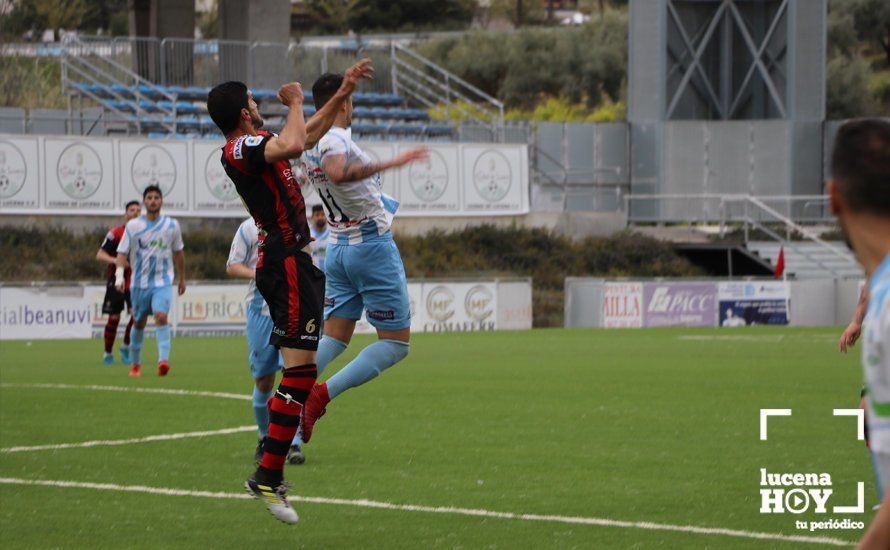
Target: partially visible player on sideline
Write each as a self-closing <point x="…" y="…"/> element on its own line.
<point x="114" y="301"/>
<point x="151" y="245"/>
<point x="320" y="235"/>
<point x="854" y="329"/>
<point x="363" y="267"/>
<point x="265" y="359"/>
<point x="258" y="163"/>
<point x="859" y="192"/>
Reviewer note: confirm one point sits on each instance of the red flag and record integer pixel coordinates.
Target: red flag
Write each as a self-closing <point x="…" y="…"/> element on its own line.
<point x="780" y="262"/>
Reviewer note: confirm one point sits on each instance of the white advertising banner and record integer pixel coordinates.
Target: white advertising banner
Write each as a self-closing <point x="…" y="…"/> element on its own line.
<point x="215" y="194"/>
<point x="87" y="175"/>
<point x="495" y="179"/>
<point x="457" y="307"/>
<point x="76" y="311"/>
<point x="211" y="306"/>
<point x="41" y="313"/>
<point x="432" y="185"/>
<point x="19" y="174"/>
<point x="79" y="175"/>
<point x="622" y="305"/>
<point x="155" y="162"/>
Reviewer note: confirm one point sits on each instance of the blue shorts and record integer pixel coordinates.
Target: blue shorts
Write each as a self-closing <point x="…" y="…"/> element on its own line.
<point x="264" y="357"/>
<point x="147" y="301"/>
<point x="368" y="276"/>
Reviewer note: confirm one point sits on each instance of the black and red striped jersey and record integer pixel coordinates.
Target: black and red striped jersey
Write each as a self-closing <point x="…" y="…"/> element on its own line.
<point x="109" y="245"/>
<point x="271" y="194"/>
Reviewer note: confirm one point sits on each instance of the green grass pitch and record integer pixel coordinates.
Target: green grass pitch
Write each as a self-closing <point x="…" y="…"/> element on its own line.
<point x="657" y="426"/>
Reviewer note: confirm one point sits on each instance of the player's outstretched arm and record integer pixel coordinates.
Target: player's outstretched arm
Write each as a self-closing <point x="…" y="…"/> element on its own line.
<point x="122" y="263"/>
<point x="179" y="262"/>
<point x="339" y="170"/>
<point x="854" y="329"/>
<point x="240" y="271"/>
<point x="321" y="121"/>
<point x="291" y="141"/>
<point x="105" y="257"/>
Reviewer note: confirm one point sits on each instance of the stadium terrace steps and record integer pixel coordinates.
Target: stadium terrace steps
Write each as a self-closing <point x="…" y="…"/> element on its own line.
<point x="804" y="258"/>
<point x="151" y="112"/>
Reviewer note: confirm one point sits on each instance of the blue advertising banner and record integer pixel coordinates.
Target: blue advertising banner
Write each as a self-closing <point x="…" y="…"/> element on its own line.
<point x="753" y="303"/>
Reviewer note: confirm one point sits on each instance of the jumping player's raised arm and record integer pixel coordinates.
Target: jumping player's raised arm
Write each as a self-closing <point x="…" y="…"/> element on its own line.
<point x="291" y="141"/>
<point x="339" y="170"/>
<point x="324" y="118"/>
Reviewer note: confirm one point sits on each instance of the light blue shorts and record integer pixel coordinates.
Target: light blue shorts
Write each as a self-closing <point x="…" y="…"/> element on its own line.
<point x="264" y="358"/>
<point x="368" y="276"/>
<point x="147" y="301"/>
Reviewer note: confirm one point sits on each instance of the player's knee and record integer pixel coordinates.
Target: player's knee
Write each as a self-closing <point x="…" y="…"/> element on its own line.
<point x="140" y="324"/>
<point x="114" y="318"/>
<point x="161" y="319"/>
<point x="397" y="350"/>
<point x="266" y="383"/>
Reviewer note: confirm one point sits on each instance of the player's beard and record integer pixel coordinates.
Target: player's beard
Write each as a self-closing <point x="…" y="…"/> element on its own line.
<point x="257" y="121"/>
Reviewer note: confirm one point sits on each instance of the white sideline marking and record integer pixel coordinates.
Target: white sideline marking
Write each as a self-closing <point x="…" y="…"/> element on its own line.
<point x="732" y="337"/>
<point x="603" y="522"/>
<point x="164" y="391"/>
<point x="113" y="442"/>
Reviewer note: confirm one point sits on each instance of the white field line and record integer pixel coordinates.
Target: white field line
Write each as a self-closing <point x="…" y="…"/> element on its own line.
<point x="576" y="520"/>
<point x="114" y="442"/>
<point x="193" y="393"/>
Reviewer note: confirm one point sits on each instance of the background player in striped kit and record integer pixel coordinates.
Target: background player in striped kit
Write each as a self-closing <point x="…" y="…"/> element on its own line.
<point x="151" y="246"/>
<point x="265" y="360"/>
<point x="363" y="267"/>
<point x="114" y="301"/>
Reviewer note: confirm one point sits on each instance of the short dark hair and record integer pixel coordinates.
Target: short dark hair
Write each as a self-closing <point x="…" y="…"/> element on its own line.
<point x="224" y="103"/>
<point x="151" y="188"/>
<point x="317" y="208"/>
<point x="860" y="164"/>
<point x="131" y="203"/>
<point x="325" y="88"/>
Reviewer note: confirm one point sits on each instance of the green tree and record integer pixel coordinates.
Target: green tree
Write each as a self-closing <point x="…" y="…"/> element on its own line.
<point x="872" y="18"/>
<point x="846" y="92"/>
<point x="334" y="15"/>
<point x="416" y="14"/>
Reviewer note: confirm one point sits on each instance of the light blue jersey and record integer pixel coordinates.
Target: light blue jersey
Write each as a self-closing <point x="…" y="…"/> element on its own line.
<point x="357" y="211"/>
<point x="149" y="246"/>
<point x="876" y="358"/>
<point x="319" y="244"/>
<point x="264" y="358"/>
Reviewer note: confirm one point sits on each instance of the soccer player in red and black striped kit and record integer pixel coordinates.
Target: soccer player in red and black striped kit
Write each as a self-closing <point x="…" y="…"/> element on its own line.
<point x="114" y="301"/>
<point x="258" y="163"/>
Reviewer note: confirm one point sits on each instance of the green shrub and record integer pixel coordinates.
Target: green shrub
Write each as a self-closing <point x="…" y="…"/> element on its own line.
<point x="484" y="251"/>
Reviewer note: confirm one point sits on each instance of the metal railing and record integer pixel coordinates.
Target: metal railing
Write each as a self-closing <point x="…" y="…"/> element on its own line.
<point x="750" y="211"/>
<point x="88" y="62"/>
<point x="418" y="78"/>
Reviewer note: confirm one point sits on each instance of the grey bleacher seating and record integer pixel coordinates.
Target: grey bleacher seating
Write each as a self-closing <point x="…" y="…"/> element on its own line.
<point x="12" y="120"/>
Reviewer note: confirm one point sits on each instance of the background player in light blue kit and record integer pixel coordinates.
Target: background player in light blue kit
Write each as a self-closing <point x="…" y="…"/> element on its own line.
<point x="151" y="246"/>
<point x="318" y="227"/>
<point x="363" y="267"/>
<point x="265" y="359"/>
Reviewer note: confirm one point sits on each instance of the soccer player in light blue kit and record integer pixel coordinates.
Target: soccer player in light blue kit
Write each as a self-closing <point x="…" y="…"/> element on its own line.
<point x="151" y="246"/>
<point x="859" y="192"/>
<point x="363" y="267"/>
<point x="265" y="360"/>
